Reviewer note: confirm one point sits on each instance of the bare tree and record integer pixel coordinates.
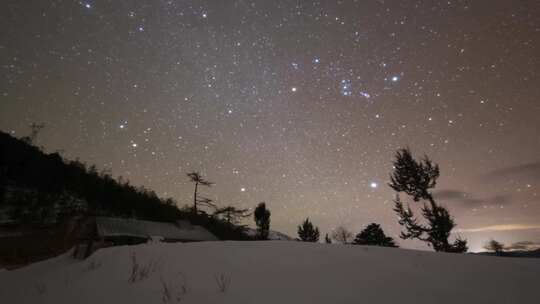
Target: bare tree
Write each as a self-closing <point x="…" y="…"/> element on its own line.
<point x="496" y="247"/>
<point x="197" y="178"/>
<point x="342" y="235"/>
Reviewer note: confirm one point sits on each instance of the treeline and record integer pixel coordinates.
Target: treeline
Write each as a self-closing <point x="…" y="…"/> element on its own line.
<point x="42" y="188"/>
<point x="36" y="183"/>
<point x="36" y="186"/>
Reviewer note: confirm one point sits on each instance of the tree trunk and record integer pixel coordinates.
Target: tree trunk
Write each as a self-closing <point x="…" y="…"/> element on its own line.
<point x="195" y="199"/>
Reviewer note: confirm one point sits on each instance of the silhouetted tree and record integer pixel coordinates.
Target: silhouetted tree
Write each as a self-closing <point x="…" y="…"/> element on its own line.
<point x="327" y="239"/>
<point x="416" y="178"/>
<point x="34" y="132"/>
<point x="307" y="232"/>
<point x="262" y="220"/>
<point x="197" y="179"/>
<point x="342" y="235"/>
<point x="496" y="247"/>
<point x="232" y="215"/>
<point x="374" y="235"/>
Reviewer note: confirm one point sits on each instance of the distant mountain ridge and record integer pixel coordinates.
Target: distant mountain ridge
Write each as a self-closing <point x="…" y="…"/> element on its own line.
<point x="515" y="254"/>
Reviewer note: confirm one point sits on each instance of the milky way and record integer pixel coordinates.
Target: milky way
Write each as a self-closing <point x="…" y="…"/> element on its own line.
<point x="300" y="104"/>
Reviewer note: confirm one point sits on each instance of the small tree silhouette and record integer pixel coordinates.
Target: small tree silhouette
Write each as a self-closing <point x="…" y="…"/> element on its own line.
<point x="232" y="215"/>
<point x="307" y="232"/>
<point x="262" y="220"/>
<point x="374" y="235"/>
<point x="197" y="179"/>
<point x="496" y="247"/>
<point x="327" y="239"/>
<point x="342" y="235"/>
<point x="35" y="129"/>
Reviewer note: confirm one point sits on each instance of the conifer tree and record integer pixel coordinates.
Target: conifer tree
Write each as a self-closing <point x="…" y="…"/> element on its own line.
<point x="197" y="179"/>
<point x="415" y="179"/>
<point x="374" y="235"/>
<point x="307" y="232"/>
<point x="262" y="220"/>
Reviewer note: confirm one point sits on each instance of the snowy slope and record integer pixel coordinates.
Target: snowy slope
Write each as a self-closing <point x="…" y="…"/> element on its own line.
<point x="272" y="235"/>
<point x="274" y="272"/>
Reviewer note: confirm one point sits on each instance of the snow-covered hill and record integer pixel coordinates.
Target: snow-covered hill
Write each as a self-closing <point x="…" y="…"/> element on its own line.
<point x="272" y="235"/>
<point x="272" y="272"/>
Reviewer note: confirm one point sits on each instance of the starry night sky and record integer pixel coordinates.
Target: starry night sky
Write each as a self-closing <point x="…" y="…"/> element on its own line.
<point x="300" y="104"/>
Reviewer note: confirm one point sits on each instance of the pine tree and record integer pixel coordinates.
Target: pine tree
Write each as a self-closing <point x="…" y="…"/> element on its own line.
<point x="374" y="235"/>
<point x="308" y="233"/>
<point x="416" y="178"/>
<point x="197" y="178"/>
<point x="262" y="220"/>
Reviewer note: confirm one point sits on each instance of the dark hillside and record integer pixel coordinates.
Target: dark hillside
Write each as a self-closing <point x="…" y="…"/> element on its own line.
<point x="52" y="180"/>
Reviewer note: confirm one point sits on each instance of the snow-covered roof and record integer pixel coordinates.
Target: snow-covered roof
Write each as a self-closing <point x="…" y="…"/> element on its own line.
<point x="110" y="226"/>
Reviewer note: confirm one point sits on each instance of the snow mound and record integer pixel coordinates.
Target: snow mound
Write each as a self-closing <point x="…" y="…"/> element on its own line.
<point x="272" y="235"/>
<point x="272" y="272"/>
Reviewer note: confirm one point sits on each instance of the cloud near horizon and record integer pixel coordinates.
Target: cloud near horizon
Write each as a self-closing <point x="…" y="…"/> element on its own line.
<point x="528" y="171"/>
<point x="505" y="227"/>
<point x="468" y="199"/>
<point x="523" y="245"/>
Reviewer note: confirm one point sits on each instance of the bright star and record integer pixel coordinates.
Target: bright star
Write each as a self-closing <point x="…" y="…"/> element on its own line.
<point x="374" y="185"/>
<point x="243" y="189"/>
<point x="294" y="89"/>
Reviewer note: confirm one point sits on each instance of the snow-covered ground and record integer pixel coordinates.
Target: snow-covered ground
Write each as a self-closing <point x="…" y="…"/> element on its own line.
<point x="272" y="235"/>
<point x="272" y="272"/>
